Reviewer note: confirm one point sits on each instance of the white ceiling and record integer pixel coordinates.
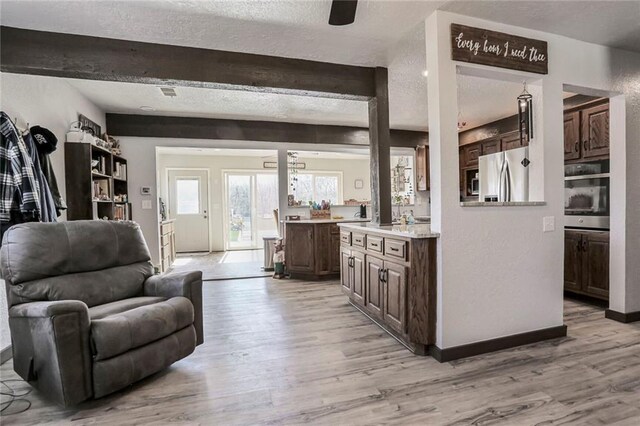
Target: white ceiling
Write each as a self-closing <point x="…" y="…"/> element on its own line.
<point x="610" y="23"/>
<point x="387" y="33"/>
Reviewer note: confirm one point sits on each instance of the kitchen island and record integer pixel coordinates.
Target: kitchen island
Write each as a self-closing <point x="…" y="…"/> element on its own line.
<point x="389" y="274"/>
<point x="313" y="247"/>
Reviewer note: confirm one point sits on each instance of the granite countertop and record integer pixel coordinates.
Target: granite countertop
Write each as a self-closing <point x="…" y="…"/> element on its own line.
<point x="345" y="220"/>
<point x="407" y="231"/>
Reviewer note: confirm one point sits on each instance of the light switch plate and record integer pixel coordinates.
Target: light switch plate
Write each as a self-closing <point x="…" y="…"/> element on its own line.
<point x="548" y="224"/>
<point x="146" y="205"/>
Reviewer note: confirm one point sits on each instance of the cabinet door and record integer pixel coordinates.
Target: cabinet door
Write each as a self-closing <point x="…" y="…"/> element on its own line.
<point x="394" y="301"/>
<point x="322" y="247"/>
<point x="345" y="270"/>
<point x="358" y="283"/>
<point x="469" y="155"/>
<point x="511" y="140"/>
<point x="572" y="135"/>
<point x="595" y="131"/>
<point x="335" y="252"/>
<point x="491" y="146"/>
<point x="595" y="267"/>
<point x="422" y="168"/>
<point x="300" y="248"/>
<point x="572" y="260"/>
<point x="374" y="287"/>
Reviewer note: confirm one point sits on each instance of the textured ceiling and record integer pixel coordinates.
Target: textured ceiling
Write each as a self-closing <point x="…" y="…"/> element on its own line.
<point x="386" y="33"/>
<point x="610" y="23"/>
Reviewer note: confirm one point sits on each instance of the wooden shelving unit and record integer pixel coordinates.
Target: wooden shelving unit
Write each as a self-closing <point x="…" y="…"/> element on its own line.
<point x="96" y="182"/>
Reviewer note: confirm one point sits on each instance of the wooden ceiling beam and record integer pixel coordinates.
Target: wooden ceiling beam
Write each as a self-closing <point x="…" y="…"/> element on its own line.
<point x="247" y="130"/>
<point x="25" y="51"/>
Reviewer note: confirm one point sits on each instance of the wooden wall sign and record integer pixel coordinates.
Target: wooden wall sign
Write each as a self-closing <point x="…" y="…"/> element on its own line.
<point x="492" y="48"/>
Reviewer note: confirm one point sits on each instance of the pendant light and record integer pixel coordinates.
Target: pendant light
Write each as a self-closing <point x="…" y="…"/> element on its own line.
<point x="525" y="114"/>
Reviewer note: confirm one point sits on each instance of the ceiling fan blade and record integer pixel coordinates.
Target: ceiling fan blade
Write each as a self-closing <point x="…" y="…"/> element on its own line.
<point x="343" y="12"/>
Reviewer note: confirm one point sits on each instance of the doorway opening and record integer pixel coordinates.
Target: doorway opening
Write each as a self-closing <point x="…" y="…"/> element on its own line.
<point x="223" y="202"/>
<point x="587" y="198"/>
<point x="251" y="198"/>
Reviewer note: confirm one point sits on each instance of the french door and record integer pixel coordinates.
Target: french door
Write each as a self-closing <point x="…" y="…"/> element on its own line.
<point x="250" y="199"/>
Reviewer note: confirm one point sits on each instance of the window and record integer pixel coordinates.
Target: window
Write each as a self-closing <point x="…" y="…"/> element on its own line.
<point x="188" y="195"/>
<point x="318" y="186"/>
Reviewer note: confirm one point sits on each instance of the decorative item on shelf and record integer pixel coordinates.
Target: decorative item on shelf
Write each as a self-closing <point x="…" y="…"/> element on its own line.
<point x="320" y="211"/>
<point x="292" y="217"/>
<point x="163" y="209"/>
<point x="121" y="198"/>
<point x="89" y="125"/>
<point x="354" y="202"/>
<point x="115" y="145"/>
<point x="292" y="202"/>
<point x="77" y="135"/>
<point x="525" y="114"/>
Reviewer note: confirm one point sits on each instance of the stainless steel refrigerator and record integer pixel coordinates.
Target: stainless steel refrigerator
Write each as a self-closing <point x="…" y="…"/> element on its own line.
<point x="504" y="176"/>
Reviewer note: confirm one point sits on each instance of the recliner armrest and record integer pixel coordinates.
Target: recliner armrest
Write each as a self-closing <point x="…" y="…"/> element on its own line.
<point x="185" y="284"/>
<point x="51" y="349"/>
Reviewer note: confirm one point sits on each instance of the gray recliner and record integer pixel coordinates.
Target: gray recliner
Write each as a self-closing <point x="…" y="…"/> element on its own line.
<point x="87" y="315"/>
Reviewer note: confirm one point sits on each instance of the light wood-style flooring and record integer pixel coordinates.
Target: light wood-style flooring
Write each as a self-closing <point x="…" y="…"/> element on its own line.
<point x="290" y="352"/>
<point x="225" y="265"/>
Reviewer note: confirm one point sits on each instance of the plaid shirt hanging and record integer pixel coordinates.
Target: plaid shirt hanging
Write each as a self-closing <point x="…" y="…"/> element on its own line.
<point x="19" y="189"/>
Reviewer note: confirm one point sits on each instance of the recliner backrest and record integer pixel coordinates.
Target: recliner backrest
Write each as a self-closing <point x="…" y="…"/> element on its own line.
<point x="36" y="256"/>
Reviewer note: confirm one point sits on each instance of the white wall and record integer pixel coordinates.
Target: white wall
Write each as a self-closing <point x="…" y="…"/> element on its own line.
<point x="48" y="102"/>
<point x="351" y="170"/>
<point x="517" y="285"/>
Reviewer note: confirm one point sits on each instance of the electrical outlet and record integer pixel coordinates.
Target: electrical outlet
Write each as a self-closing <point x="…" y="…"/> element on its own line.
<point x="146" y="205"/>
<point x="548" y="224"/>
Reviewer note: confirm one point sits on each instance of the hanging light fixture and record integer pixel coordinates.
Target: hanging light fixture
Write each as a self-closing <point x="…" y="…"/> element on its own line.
<point x="525" y="114"/>
<point x="461" y="122"/>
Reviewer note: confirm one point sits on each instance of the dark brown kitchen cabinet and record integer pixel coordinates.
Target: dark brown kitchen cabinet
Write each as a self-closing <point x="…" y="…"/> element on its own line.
<point x="572" y="260"/>
<point x="512" y="140"/>
<point x="346" y="278"/>
<point x="352" y="274"/>
<point x="300" y="248"/>
<point x="586" y="133"/>
<point x="392" y="280"/>
<point x="335" y="251"/>
<point x="572" y="135"/>
<point x="374" y="291"/>
<point x="491" y="146"/>
<point x="469" y="155"/>
<point x="595" y="132"/>
<point x="312" y="249"/>
<point x="595" y="278"/>
<point x="422" y="168"/>
<point x="394" y="301"/>
<point x="586" y="263"/>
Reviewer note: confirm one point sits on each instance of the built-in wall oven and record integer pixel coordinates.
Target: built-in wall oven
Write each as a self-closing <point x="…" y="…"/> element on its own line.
<point x="586" y="195"/>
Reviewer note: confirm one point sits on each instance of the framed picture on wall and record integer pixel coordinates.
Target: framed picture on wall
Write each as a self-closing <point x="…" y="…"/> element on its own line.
<point x="85" y="124"/>
<point x="358" y="184"/>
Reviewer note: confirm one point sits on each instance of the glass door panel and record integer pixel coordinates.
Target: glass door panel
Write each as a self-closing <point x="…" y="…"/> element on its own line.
<point x="251" y="199"/>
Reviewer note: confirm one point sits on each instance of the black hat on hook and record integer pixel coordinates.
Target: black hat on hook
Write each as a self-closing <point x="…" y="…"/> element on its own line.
<point x="46" y="141"/>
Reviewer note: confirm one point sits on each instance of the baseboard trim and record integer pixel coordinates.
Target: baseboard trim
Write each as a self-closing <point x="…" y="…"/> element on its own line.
<point x="6" y="354"/>
<point x="622" y="317"/>
<point x="493" y="345"/>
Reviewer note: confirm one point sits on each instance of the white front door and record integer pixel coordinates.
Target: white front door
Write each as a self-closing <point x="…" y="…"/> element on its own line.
<point x="188" y="205"/>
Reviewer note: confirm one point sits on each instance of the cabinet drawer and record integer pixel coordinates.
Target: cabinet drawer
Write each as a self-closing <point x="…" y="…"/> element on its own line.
<point x="166" y="228"/>
<point x="374" y="243"/>
<point x="395" y="248"/>
<point x="357" y="240"/>
<point x="165" y="239"/>
<point x="345" y="237"/>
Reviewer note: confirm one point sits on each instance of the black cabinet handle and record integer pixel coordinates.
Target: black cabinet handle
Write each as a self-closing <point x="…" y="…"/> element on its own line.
<point x="585" y="145"/>
<point x="585" y="245"/>
<point x="380" y="276"/>
<point x="385" y="275"/>
<point x="394" y="249"/>
<point x="579" y="246"/>
<point x="577" y="146"/>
